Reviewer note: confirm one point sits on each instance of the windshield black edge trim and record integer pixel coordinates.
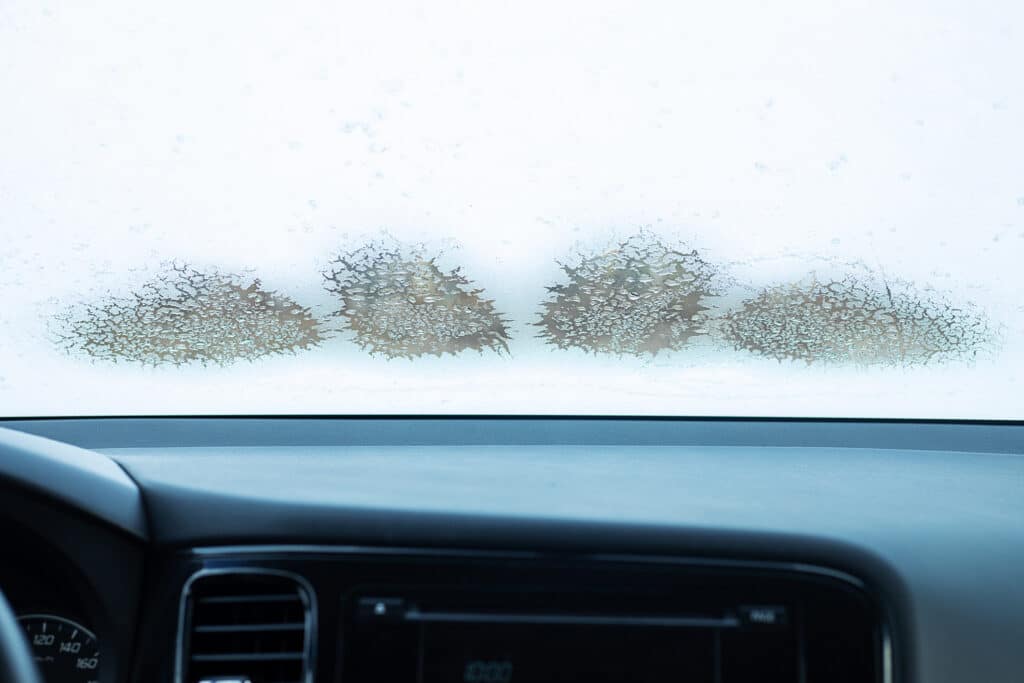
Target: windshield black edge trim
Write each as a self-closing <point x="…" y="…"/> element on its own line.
<point x="210" y="431"/>
<point x="430" y="417"/>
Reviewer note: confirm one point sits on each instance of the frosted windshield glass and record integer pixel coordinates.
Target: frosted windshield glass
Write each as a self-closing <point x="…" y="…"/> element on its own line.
<point x="646" y="208"/>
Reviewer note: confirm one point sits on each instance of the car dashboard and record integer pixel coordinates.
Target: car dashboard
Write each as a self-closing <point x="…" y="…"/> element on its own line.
<point x="483" y="550"/>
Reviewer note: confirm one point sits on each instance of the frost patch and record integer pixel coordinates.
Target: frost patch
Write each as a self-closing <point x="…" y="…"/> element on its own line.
<point x="399" y="303"/>
<point x="638" y="298"/>
<point x="189" y="316"/>
<point x="857" y="320"/>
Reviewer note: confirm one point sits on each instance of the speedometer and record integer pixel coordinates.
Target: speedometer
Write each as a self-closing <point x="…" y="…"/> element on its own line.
<point x="65" y="651"/>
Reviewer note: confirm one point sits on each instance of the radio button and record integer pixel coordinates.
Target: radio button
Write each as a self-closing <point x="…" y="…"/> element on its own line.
<point x="381" y="609"/>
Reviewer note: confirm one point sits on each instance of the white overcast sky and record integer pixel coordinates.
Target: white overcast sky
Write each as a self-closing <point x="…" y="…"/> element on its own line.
<point x="263" y="136"/>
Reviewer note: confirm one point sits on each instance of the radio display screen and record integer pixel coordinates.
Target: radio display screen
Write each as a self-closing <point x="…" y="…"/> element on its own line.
<point x="539" y="653"/>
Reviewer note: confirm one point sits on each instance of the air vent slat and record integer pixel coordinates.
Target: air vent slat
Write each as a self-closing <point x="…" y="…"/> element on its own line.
<point x="229" y="628"/>
<point x="227" y="599"/>
<point x="246" y="625"/>
<point x="250" y="657"/>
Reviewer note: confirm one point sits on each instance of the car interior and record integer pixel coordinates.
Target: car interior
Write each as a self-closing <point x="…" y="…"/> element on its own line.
<point x="478" y="341"/>
<point x="444" y="549"/>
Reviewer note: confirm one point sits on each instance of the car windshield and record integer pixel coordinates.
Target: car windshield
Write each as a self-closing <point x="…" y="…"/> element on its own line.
<point x="804" y="208"/>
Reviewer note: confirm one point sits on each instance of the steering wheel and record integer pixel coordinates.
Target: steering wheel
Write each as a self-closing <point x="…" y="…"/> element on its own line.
<point x="16" y="662"/>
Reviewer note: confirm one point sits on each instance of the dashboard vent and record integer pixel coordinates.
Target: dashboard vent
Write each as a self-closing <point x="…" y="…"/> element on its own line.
<point x="246" y="627"/>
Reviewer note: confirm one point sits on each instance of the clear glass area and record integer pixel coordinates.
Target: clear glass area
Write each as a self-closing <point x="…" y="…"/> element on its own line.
<point x="740" y="208"/>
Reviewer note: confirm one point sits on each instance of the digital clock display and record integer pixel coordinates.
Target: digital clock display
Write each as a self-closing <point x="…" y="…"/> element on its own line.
<point x="532" y="653"/>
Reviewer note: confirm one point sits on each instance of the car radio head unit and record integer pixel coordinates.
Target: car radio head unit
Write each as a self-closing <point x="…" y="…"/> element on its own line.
<point x="436" y="616"/>
<point x="637" y="627"/>
<point x="499" y="647"/>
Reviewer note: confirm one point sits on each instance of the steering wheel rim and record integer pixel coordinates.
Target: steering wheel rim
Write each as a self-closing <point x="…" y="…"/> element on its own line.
<point x="17" y="665"/>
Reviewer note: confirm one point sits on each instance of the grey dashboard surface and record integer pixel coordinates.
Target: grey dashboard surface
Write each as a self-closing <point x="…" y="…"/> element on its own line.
<point x="75" y="477"/>
<point x="932" y="516"/>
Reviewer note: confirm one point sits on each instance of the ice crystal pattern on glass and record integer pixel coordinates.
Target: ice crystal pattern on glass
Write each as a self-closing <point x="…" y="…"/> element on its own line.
<point x="399" y="303"/>
<point x="189" y="316"/>
<point x="638" y="298"/>
<point x="859" y="320"/>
